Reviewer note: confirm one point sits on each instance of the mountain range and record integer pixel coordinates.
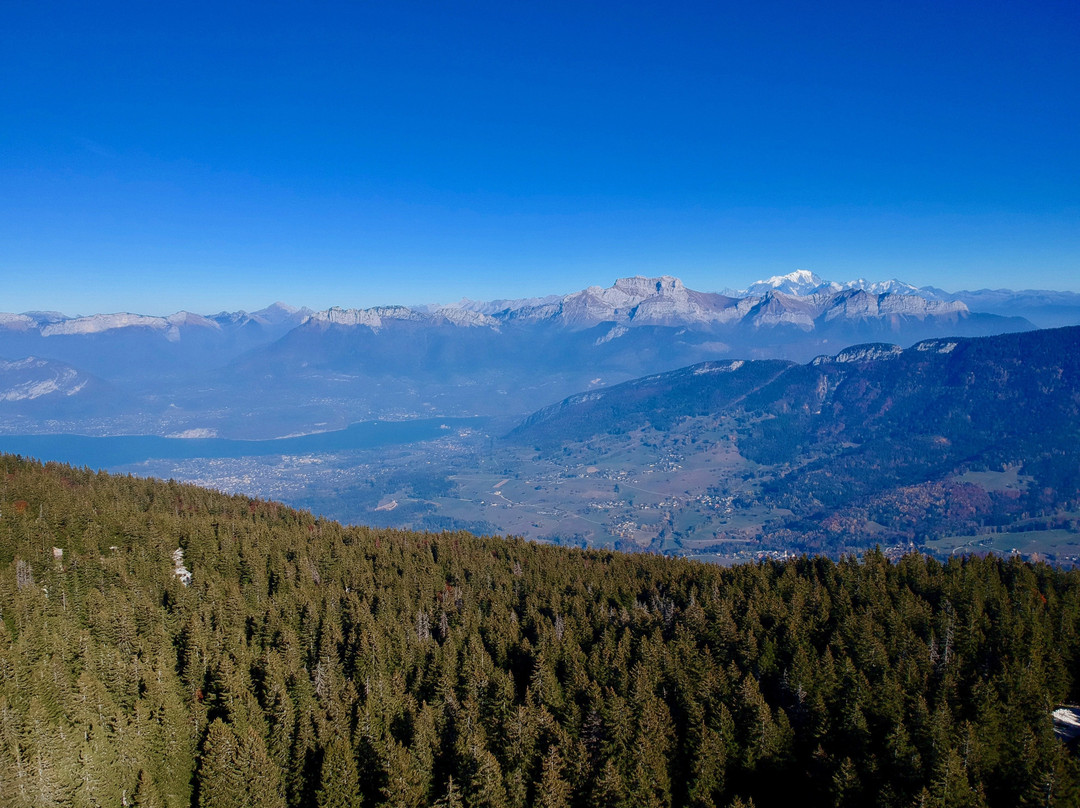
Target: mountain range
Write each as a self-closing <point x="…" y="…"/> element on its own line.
<point x="283" y="370"/>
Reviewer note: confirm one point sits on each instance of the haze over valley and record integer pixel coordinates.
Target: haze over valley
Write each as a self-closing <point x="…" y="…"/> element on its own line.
<point x="449" y="416"/>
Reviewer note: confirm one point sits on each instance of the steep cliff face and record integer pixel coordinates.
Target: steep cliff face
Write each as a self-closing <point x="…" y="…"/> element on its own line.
<point x="858" y="304"/>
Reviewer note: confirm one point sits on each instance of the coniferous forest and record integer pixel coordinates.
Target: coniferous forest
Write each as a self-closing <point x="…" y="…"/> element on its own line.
<point x="304" y="663"/>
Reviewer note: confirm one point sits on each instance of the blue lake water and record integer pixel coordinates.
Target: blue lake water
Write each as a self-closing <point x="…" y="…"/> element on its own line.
<point x="121" y="450"/>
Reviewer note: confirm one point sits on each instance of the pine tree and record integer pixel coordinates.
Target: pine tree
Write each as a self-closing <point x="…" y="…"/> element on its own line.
<point x="707" y="770"/>
<point x="609" y="790"/>
<point x="405" y="787"/>
<point x="486" y="788"/>
<point x="452" y="797"/>
<point x="264" y="782"/>
<point x="552" y="791"/>
<point x="146" y="793"/>
<point x="339" y="785"/>
<point x="222" y="781"/>
<point x="952" y="788"/>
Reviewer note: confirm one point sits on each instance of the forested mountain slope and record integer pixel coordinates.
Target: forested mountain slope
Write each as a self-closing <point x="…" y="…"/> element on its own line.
<point x="310" y="664"/>
<point x="876" y="444"/>
<point x="1010" y="390"/>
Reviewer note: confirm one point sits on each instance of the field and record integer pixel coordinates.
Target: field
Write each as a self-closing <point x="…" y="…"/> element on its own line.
<point x="1009" y="480"/>
<point x="1063" y="544"/>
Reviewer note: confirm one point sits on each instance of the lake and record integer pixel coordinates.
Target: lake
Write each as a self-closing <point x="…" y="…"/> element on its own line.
<point x="120" y="450"/>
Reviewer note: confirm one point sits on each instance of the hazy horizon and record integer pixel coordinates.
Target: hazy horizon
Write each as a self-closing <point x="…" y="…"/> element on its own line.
<point x="253" y="307"/>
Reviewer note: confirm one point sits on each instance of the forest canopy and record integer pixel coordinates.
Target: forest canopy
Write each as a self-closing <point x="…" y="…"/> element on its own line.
<point x="300" y="662"/>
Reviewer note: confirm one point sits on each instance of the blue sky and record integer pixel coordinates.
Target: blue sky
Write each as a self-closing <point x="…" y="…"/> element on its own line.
<point x="160" y="156"/>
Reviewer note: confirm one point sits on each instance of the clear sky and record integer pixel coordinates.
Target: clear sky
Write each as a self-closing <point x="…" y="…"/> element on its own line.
<point x="157" y="156"/>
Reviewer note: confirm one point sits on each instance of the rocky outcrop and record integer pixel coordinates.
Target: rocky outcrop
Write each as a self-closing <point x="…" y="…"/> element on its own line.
<point x="860" y="353"/>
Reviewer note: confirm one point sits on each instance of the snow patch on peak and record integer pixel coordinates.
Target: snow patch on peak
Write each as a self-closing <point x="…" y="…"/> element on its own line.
<point x="803" y="282"/>
<point x="890" y="287"/>
<point x="798" y="276"/>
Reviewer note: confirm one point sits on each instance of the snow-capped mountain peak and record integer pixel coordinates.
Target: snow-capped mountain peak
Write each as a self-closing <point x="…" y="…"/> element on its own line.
<point x="800" y="282"/>
<point x="803" y="282"/>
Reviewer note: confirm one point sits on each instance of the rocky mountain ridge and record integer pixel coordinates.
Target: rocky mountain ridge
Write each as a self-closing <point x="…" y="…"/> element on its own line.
<point x="661" y="300"/>
<point x="664" y="301"/>
<point x="1046" y="308"/>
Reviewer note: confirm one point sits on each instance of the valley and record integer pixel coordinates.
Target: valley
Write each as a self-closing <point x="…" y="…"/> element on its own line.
<point x="737" y="461"/>
<point x="641" y="417"/>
